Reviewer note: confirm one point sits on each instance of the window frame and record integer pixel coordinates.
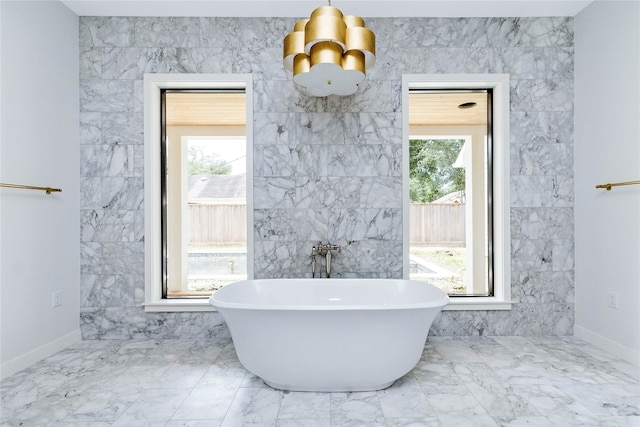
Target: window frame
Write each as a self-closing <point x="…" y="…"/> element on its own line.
<point x="501" y="250"/>
<point x="154" y="84"/>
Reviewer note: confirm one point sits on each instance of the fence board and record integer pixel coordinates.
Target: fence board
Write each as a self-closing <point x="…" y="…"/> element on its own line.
<point x="437" y="223"/>
<point x="218" y="223"/>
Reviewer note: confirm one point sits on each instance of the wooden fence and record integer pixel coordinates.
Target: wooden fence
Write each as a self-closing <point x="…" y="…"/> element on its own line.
<point x="218" y="223"/>
<point x="437" y="224"/>
<point x="431" y="224"/>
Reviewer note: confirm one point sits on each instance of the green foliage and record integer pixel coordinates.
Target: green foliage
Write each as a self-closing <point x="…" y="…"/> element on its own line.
<point x="431" y="174"/>
<point x="201" y="164"/>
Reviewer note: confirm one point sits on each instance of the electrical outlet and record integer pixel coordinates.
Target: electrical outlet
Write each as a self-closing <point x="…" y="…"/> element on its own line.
<point x="56" y="299"/>
<point x="612" y="300"/>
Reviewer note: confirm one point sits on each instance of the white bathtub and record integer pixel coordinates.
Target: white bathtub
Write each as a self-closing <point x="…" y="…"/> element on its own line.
<point x="329" y="334"/>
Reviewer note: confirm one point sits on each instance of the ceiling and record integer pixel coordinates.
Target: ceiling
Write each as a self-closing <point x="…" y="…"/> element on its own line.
<point x="206" y="109"/>
<point x="302" y="8"/>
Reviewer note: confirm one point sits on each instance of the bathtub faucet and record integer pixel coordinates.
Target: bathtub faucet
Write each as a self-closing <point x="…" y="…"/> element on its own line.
<point x="326" y="251"/>
<point x="313" y="261"/>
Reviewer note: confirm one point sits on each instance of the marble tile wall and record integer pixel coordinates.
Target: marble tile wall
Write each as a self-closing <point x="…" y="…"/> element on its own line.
<point x="325" y="168"/>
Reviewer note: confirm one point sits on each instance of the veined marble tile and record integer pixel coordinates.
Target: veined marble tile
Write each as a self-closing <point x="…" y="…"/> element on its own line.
<point x="107" y="226"/>
<point x="105" y="406"/>
<point x="526" y="62"/>
<point x="257" y="406"/>
<point x="284" y="96"/>
<point x="298" y="160"/>
<point x="274" y="192"/>
<point x="560" y="62"/>
<point x="166" y="31"/>
<point x="233" y="33"/>
<point x="106" y="96"/>
<point x="541" y="95"/>
<point x="106" y="31"/>
<point x="205" y="403"/>
<point x="542" y="159"/>
<point x="279" y="128"/>
<point x="544" y="287"/>
<point x="373" y="96"/>
<point x="380" y="128"/>
<point x="105" y="161"/>
<point x="364" y="224"/>
<point x="276" y="259"/>
<point x="291" y="224"/>
<point x="123" y="128"/>
<point x="106" y="290"/>
<point x="541" y="127"/>
<point x="303" y="422"/>
<point x="456" y="403"/>
<point x="542" y="223"/>
<point x="356" y="409"/>
<point x="498" y="400"/>
<point x="90" y="128"/>
<point x="328" y="192"/>
<point x="364" y="160"/>
<point x="441" y="60"/>
<point x="133" y="63"/>
<point x="263" y="64"/>
<point x="542" y="191"/>
<point x="392" y="63"/>
<point x="305" y="405"/>
<point x="555" y="404"/>
<point x="381" y="192"/>
<point x="155" y="405"/>
<point x="122" y="192"/>
<point x="369" y="258"/>
<point x="405" y="398"/>
<point x="90" y="63"/>
<point x="91" y="193"/>
<point x="534" y="31"/>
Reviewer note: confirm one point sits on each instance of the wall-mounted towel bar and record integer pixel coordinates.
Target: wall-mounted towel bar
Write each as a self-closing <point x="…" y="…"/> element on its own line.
<point x="47" y="190"/>
<point x="617" y="184"/>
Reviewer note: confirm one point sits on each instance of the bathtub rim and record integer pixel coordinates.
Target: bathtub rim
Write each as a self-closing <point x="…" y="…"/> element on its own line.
<point x="441" y="300"/>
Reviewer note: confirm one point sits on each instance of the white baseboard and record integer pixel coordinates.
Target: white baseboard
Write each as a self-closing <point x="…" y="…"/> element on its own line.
<point x="628" y="354"/>
<point x="34" y="356"/>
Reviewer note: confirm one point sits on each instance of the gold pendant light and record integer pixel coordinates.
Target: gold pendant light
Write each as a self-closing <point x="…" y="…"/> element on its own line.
<point x="329" y="52"/>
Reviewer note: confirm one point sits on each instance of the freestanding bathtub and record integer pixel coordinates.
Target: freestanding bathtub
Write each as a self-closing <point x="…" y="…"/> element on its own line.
<point x="329" y="334"/>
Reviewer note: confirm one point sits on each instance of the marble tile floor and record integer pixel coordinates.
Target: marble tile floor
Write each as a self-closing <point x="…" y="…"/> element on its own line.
<point x="460" y="381"/>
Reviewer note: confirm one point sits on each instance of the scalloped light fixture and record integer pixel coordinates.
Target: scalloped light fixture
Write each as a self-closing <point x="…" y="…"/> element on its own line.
<point x="329" y="52"/>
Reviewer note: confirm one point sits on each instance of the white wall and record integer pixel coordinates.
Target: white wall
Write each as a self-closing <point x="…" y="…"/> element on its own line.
<point x="39" y="145"/>
<point x="607" y="149"/>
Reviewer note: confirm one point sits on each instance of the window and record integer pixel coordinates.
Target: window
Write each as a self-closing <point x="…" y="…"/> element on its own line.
<point x="456" y="228"/>
<point x="198" y="169"/>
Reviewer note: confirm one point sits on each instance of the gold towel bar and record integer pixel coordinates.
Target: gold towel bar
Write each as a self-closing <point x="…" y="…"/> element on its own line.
<point x="47" y="190"/>
<point x="616" y="184"/>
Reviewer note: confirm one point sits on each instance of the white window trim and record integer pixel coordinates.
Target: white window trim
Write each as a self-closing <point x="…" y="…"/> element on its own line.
<point x="153" y="83"/>
<point x="501" y="300"/>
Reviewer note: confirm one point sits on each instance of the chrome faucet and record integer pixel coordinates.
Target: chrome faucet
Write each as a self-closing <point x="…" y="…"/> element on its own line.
<point x="326" y="251"/>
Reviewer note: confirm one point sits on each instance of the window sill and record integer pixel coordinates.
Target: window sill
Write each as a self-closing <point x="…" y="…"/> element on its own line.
<point x="202" y="304"/>
<point x="178" y="305"/>
<point x="477" y="303"/>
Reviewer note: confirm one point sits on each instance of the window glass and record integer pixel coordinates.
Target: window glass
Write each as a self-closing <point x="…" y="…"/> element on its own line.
<point x="204" y="164"/>
<point x="449" y="191"/>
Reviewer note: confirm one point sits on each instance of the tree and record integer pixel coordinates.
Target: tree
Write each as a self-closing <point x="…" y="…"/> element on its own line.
<point x="431" y="171"/>
<point x="202" y="164"/>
